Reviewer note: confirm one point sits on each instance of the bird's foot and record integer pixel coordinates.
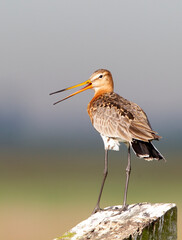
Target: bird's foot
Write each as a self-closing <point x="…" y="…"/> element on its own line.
<point x="120" y="210"/>
<point x="97" y="209"/>
<point x="116" y="209"/>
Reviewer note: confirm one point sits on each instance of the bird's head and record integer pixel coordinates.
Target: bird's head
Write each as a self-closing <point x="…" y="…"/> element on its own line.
<point x="100" y="81"/>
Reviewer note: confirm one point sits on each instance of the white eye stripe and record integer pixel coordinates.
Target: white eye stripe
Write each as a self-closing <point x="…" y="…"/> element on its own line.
<point x="98" y="76"/>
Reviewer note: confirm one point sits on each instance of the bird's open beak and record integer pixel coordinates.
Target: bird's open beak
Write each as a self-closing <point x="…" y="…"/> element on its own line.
<point x="88" y="86"/>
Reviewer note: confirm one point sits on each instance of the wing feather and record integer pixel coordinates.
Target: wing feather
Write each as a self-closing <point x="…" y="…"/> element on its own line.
<point x="116" y="117"/>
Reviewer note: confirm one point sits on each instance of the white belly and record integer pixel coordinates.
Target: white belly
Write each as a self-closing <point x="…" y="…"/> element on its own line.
<point x="111" y="143"/>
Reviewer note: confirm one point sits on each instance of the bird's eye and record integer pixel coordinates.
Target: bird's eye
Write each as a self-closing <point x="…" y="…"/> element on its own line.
<point x="101" y="76"/>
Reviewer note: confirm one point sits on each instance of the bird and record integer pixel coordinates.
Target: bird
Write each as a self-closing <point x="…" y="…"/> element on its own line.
<point x="118" y="120"/>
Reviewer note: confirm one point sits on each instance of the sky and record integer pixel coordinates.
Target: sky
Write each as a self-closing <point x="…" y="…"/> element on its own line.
<point x="49" y="45"/>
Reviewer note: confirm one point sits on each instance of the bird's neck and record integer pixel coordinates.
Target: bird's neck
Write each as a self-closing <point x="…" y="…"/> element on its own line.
<point x="100" y="91"/>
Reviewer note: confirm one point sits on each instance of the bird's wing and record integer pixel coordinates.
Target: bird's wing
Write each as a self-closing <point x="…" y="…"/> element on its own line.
<point x="116" y="117"/>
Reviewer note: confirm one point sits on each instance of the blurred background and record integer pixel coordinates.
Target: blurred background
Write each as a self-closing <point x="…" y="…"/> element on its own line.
<point x="51" y="158"/>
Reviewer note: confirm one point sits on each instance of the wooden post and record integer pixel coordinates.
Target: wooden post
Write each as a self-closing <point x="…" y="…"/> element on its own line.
<point x="142" y="221"/>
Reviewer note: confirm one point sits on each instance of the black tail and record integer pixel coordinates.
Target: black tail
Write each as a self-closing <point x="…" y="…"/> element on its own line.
<point x="146" y="150"/>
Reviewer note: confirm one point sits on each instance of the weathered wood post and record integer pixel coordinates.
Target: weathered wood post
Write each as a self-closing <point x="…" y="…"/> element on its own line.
<point x="142" y="221"/>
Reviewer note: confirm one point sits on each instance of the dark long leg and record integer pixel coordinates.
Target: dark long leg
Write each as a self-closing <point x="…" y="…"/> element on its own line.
<point x="97" y="208"/>
<point x="128" y="170"/>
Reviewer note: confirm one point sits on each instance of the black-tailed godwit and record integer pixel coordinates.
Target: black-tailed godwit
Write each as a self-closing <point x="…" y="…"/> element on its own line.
<point x="117" y="120"/>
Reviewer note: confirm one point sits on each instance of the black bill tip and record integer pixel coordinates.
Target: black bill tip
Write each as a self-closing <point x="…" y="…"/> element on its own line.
<point x="58" y="91"/>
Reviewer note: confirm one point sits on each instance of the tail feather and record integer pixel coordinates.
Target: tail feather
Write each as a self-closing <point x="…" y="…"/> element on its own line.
<point x="146" y="150"/>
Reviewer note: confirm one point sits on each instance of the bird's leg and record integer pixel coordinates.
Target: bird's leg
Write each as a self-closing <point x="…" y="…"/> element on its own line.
<point x="128" y="170"/>
<point x="97" y="208"/>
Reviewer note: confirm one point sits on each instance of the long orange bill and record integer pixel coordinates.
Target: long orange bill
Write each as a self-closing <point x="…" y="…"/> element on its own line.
<point x="88" y="86"/>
